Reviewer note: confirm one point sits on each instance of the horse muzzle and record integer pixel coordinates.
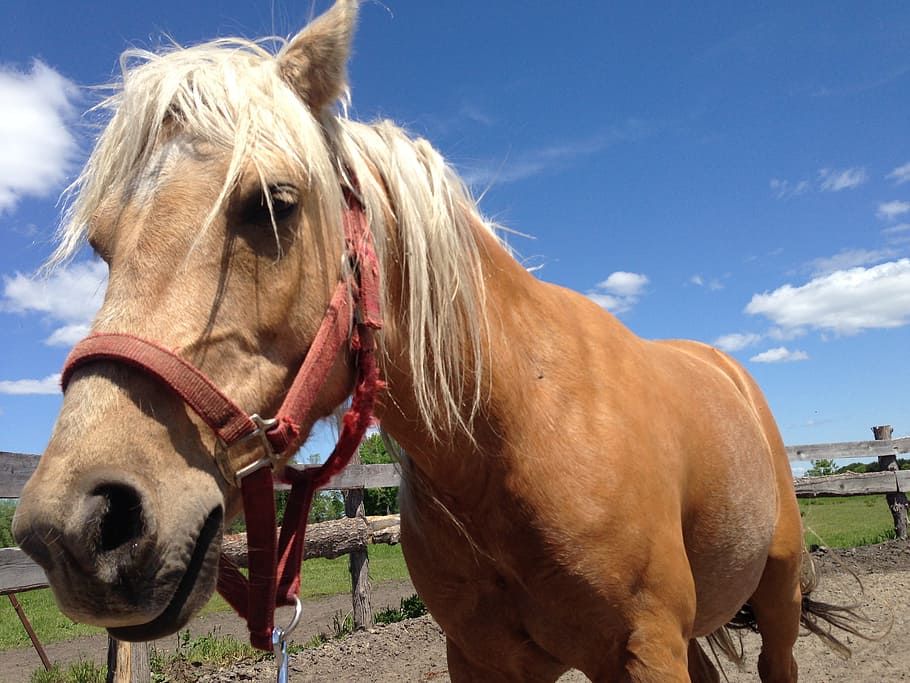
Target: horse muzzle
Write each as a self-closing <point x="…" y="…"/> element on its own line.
<point x="112" y="559"/>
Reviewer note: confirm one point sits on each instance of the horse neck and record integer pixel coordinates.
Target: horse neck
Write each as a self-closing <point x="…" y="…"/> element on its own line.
<point x="449" y="460"/>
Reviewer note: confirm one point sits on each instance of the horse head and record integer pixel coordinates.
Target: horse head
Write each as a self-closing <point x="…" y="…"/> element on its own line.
<point x="216" y="200"/>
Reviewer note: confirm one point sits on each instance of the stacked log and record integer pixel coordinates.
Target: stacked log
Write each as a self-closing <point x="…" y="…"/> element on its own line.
<point x="329" y="539"/>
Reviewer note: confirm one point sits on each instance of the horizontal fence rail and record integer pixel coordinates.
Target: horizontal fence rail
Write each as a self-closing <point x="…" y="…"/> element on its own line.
<point x="849" y="449"/>
<point x="852" y="484"/>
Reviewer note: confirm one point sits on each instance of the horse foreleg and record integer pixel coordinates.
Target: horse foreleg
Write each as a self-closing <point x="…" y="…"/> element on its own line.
<point x="518" y="663"/>
<point x="462" y="670"/>
<point x="657" y="654"/>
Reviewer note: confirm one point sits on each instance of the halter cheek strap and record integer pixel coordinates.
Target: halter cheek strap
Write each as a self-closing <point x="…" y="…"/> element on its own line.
<point x="274" y="564"/>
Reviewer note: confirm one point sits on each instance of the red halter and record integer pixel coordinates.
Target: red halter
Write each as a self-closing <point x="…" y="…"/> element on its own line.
<point x="274" y="567"/>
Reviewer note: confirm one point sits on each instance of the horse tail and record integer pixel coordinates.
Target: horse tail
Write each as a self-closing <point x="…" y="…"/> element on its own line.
<point x="821" y="618"/>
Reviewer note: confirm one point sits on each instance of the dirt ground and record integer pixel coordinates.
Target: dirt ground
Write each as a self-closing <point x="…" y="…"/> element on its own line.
<point x="415" y="650"/>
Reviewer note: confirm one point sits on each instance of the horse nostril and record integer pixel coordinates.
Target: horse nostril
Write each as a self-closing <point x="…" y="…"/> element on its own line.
<point x="118" y="513"/>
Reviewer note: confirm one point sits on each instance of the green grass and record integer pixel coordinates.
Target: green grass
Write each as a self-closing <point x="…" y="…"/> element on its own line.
<point x="49" y="624"/>
<point x="846" y="522"/>
<point x="410" y="608"/>
<point x="83" y="671"/>
<point x="212" y="648"/>
<point x="320" y="577"/>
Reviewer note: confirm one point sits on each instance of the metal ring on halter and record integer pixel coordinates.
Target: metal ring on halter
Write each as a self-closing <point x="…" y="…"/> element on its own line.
<point x="280" y="642"/>
<point x="270" y="459"/>
<point x="279" y="634"/>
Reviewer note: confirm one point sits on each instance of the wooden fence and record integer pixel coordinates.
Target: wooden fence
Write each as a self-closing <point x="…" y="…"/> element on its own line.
<point x="890" y="480"/>
<point x="18" y="573"/>
<point x="351" y="536"/>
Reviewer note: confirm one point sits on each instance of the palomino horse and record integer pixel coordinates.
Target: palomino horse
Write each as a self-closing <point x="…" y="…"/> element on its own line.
<point x="215" y="194"/>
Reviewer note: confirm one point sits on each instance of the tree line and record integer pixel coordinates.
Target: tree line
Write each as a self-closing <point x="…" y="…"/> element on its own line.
<point x="822" y="468"/>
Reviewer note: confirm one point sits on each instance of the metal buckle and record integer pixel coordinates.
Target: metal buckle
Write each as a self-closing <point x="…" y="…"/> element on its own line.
<point x="270" y="459"/>
<point x="280" y="641"/>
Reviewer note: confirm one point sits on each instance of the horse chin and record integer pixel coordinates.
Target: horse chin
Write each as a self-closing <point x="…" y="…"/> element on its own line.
<point x="193" y="591"/>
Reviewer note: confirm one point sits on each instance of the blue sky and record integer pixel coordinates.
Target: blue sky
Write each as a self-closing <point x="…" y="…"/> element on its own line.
<point x="737" y="173"/>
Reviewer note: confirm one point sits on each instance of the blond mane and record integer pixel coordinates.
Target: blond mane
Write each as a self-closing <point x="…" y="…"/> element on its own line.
<point x="230" y="93"/>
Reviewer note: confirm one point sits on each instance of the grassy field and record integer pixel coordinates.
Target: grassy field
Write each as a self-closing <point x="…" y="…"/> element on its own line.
<point x="320" y="577"/>
<point x="834" y="522"/>
<point x="846" y="522"/>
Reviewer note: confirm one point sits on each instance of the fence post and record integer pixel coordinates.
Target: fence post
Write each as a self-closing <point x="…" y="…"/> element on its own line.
<point x="30" y="631"/>
<point x="359" y="561"/>
<point x="127" y="662"/>
<point x="897" y="502"/>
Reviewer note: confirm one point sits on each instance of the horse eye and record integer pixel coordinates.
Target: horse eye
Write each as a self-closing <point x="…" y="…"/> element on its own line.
<point x="283" y="199"/>
<point x="276" y="202"/>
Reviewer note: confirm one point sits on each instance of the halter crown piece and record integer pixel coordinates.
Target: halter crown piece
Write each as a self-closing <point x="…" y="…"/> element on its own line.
<point x="274" y="566"/>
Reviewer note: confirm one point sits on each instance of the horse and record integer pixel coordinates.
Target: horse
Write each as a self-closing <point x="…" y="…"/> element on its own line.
<point x="572" y="496"/>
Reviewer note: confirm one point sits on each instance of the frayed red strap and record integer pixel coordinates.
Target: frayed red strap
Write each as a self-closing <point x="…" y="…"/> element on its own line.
<point x="223" y="416"/>
<point x="332" y="335"/>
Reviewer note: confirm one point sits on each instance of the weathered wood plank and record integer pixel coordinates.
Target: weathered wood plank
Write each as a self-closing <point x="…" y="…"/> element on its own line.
<point x="15" y="469"/>
<point x="362" y="477"/>
<point x="849" y="449"/>
<point x="18" y="573"/>
<point x="852" y="484"/>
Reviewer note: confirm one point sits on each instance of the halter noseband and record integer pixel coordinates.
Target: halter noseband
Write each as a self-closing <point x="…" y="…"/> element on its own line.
<point x="274" y="568"/>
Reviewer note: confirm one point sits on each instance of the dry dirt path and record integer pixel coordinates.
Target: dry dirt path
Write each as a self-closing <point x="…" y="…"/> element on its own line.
<point x="16" y="665"/>
<point x="415" y="650"/>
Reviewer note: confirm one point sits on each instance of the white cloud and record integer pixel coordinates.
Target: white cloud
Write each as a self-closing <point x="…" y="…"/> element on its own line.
<point x="68" y="335"/>
<point x="619" y="292"/>
<point x="895" y="229"/>
<point x="849" y="258"/>
<point x="623" y="283"/>
<point x="38" y="149"/>
<point x="22" y="387"/>
<point x="736" y="341"/>
<point x="834" y="181"/>
<point x="713" y="284"/>
<point x="553" y="158"/>
<point x="70" y="295"/>
<point x="901" y="174"/>
<point x="844" y="302"/>
<point x="784" y="189"/>
<point x="785" y="334"/>
<point x="779" y="355"/>
<point x="474" y="113"/>
<point x="890" y="210"/>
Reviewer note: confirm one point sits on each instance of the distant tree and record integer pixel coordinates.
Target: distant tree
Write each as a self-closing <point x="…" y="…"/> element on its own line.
<point x="326" y="504"/>
<point x="382" y="501"/>
<point x="857" y="467"/>
<point x="7" y="510"/>
<point x="821" y="468"/>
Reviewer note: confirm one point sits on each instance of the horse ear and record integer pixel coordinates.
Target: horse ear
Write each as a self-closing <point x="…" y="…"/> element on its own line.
<point x="314" y="62"/>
